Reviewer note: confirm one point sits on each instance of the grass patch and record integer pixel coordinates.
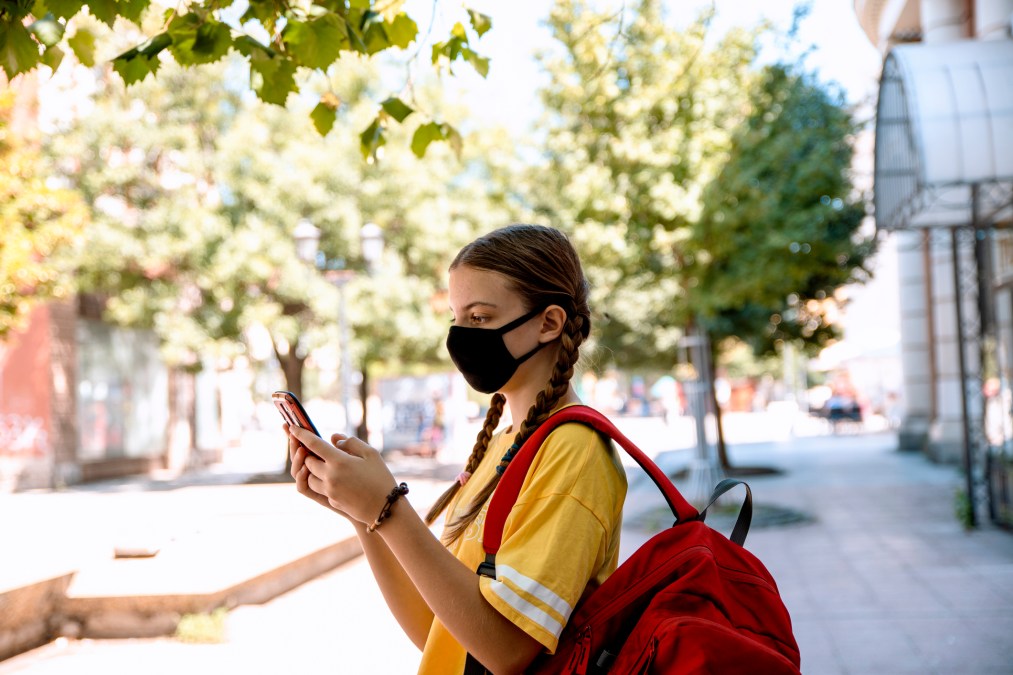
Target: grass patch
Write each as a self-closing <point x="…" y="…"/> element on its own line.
<point x="206" y="628"/>
<point x="963" y="509"/>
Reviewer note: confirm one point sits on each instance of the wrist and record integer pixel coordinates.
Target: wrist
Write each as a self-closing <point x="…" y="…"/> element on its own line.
<point x="387" y="510"/>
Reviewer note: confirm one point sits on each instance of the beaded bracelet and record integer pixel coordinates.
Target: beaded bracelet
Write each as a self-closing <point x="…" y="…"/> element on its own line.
<point x="395" y="494"/>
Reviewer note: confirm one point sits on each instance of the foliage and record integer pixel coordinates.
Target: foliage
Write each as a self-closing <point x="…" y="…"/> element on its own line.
<point x="277" y="39"/>
<point x="640" y="119"/>
<point x="196" y="192"/>
<point x="699" y="187"/>
<point x="37" y="221"/>
<point x="779" y="231"/>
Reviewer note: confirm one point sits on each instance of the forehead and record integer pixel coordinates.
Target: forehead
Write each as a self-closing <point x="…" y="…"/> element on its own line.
<point x="469" y="285"/>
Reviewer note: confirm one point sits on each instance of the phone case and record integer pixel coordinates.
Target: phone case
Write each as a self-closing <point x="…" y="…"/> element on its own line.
<point x="292" y="410"/>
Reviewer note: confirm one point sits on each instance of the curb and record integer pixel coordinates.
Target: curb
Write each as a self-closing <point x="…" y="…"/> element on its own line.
<point x="36" y="614"/>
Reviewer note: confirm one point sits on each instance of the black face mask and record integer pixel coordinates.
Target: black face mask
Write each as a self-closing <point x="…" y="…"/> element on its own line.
<point x="482" y="356"/>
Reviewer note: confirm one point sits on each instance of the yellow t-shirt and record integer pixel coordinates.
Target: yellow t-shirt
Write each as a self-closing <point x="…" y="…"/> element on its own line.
<point x="561" y="537"/>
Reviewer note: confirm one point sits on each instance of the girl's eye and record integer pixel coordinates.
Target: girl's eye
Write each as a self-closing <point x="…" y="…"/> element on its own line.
<point x="476" y="319"/>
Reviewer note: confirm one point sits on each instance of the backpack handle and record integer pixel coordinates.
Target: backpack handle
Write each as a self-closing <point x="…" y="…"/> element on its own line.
<point x="509" y="487"/>
<point x="745" y="517"/>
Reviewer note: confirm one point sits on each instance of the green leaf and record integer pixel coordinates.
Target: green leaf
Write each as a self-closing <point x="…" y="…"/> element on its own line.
<point x="479" y="63"/>
<point x="424" y="135"/>
<point x="454" y="138"/>
<point x="133" y="10"/>
<point x="316" y="43"/>
<point x="273" y="78"/>
<point x="19" y="53"/>
<point x="133" y="66"/>
<point x="450" y="50"/>
<point x="39" y="8"/>
<point x="47" y="30"/>
<point x="323" y="117"/>
<point x="359" y="4"/>
<point x="82" y="43"/>
<point x="53" y="57"/>
<point x="480" y="22"/>
<point x="105" y="11"/>
<point x="458" y="31"/>
<point x="402" y="31"/>
<point x="198" y="41"/>
<point x="396" y="108"/>
<point x="375" y="34"/>
<point x="248" y="46"/>
<point x="64" y="9"/>
<point x="372" y="139"/>
<point x="212" y="42"/>
<point x="264" y="12"/>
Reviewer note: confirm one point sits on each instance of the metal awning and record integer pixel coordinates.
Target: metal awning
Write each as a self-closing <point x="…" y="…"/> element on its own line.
<point x="945" y="123"/>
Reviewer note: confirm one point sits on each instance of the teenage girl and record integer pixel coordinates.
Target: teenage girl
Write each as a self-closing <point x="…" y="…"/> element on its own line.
<point x="519" y="300"/>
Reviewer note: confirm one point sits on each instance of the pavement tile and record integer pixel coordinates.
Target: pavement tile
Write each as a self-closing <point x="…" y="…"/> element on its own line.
<point x="874" y="645"/>
<point x="819" y="655"/>
<point x="962" y="645"/>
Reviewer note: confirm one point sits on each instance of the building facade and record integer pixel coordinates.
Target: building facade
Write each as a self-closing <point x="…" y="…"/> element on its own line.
<point x="944" y="188"/>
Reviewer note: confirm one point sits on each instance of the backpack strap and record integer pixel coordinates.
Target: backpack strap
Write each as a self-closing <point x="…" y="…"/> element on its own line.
<point x="745" y="517"/>
<point x="509" y="487"/>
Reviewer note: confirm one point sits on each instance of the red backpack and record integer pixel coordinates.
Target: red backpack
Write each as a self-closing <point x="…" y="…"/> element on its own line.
<point x="688" y="601"/>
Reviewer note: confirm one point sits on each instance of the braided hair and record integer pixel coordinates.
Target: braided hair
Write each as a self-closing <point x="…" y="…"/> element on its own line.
<point x="542" y="266"/>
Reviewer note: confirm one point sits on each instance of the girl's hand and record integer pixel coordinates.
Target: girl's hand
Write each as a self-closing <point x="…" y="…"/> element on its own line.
<point x="349" y="474"/>
<point x="298" y="453"/>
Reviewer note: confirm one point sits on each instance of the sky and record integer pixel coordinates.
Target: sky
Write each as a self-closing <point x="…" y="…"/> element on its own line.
<point x="508" y="96"/>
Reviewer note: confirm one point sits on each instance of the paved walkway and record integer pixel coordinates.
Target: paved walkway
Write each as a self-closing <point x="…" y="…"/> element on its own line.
<point x="881" y="579"/>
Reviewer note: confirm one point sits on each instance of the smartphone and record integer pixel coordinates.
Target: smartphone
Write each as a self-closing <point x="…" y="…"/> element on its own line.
<point x="291" y="409"/>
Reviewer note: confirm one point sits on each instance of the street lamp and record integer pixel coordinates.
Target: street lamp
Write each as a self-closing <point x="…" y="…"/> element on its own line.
<point x="307" y="240"/>
<point x="372" y="245"/>
<point x="307" y="245"/>
<point x="371" y="241"/>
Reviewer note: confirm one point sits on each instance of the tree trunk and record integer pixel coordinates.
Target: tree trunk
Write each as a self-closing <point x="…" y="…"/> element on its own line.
<point x="363" y="430"/>
<point x="726" y="464"/>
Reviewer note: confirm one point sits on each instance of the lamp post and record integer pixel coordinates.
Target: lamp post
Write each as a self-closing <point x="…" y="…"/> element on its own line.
<point x="307" y="243"/>
<point x="371" y="240"/>
<point x="339" y="278"/>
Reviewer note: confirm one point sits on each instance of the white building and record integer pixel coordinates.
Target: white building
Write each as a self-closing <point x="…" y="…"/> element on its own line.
<point x="944" y="186"/>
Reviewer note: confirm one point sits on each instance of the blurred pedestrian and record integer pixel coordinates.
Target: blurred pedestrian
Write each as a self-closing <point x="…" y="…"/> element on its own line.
<point x="519" y="301"/>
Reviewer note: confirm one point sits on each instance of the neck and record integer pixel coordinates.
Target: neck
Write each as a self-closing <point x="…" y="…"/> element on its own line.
<point x="519" y="401"/>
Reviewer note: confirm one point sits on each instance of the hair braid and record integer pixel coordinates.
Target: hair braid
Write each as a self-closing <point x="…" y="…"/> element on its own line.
<point x="492" y="418"/>
<point x="569" y="352"/>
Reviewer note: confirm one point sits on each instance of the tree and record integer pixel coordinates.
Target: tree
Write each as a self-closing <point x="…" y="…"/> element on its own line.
<point x="640" y="115"/>
<point x="196" y="206"/>
<point x="780" y="228"/>
<point x="37" y="221"/>
<point x="654" y="135"/>
<point x="277" y="39"/>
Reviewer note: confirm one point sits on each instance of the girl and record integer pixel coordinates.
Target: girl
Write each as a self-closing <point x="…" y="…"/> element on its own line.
<point x="520" y="314"/>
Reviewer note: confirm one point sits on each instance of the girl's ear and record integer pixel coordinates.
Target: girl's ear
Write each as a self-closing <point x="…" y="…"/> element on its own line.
<point x="553" y="320"/>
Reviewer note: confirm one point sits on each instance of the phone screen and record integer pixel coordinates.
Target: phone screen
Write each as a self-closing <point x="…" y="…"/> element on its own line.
<point x="292" y="411"/>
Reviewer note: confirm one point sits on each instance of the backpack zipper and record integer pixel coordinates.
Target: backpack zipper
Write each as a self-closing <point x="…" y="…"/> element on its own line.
<point x="582" y="656"/>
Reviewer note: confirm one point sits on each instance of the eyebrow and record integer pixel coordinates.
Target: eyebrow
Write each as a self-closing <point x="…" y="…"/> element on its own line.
<point x="471" y="305"/>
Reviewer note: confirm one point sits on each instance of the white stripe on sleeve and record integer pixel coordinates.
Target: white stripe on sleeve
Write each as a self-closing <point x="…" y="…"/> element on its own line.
<point x="536" y="614"/>
<point x="532" y="587"/>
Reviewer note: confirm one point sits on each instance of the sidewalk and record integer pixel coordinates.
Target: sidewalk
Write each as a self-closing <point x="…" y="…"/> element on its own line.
<point x="884" y="579"/>
<point x="880" y="579"/>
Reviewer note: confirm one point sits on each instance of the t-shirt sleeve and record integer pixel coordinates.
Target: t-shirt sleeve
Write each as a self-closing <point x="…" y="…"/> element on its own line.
<point x="559" y="533"/>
